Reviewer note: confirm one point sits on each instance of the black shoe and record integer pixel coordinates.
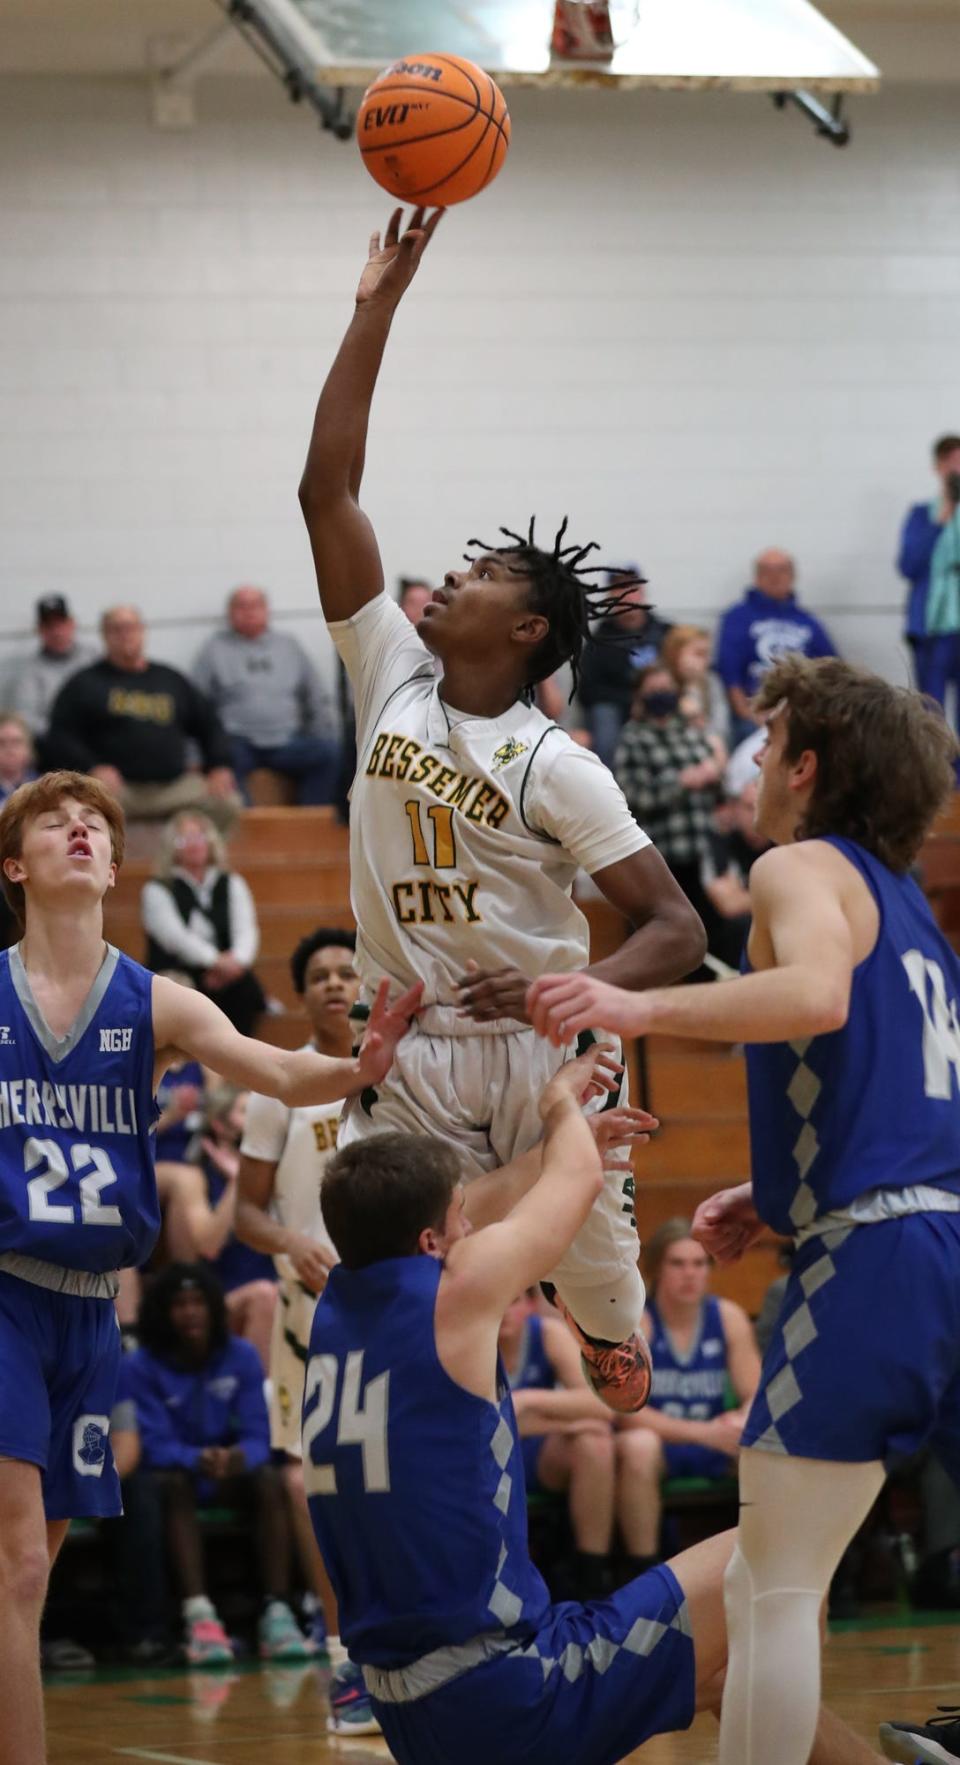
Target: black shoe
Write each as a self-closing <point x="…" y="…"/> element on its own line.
<point x="936" y="1742"/>
<point x="62" y="1655"/>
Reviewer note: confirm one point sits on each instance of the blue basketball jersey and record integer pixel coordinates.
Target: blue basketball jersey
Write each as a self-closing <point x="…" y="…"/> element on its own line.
<point x="77" y="1184"/>
<point x="415" y="1487"/>
<point x="874" y="1105"/>
<point x="690" y="1386"/>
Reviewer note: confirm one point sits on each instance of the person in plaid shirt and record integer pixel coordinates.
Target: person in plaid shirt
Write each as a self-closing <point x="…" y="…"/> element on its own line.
<point x="670" y="774"/>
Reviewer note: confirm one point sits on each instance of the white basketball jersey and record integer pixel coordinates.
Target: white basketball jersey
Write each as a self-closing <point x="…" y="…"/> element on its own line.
<point x="465" y="832"/>
<point x="299" y="1141"/>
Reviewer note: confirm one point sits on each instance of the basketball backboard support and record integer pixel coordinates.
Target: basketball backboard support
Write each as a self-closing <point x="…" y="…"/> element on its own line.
<point x="764" y="45"/>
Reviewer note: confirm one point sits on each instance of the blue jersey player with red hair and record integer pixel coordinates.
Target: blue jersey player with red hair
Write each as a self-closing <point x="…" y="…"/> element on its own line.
<point x="85" y="1034"/>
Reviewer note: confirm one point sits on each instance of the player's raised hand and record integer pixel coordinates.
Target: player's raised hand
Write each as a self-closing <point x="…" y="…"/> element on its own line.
<point x="489" y="993"/>
<point x="625" y="1126"/>
<point x="393" y="262"/>
<point x="311" y="1262"/>
<point x="595" y="1071"/>
<point x="561" y="1005"/>
<point x="385" y="1025"/>
<point x="728" y="1223"/>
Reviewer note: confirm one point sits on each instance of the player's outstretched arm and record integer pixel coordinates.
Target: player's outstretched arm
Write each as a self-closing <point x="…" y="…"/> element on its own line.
<point x="728" y="1223"/>
<point x="186" y="1023"/>
<point x="492" y="1266"/>
<point x="494" y="1195"/>
<point x="669" y="941"/>
<point x="345" y="551"/>
<point x="798" y="915"/>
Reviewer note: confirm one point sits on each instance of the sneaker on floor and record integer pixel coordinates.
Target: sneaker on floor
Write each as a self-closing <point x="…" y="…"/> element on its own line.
<point x="280" y="1637"/>
<point x="63" y="1655"/>
<point x="621" y="1373"/>
<point x="316" y="1625"/>
<point x="207" y="1643"/>
<point x="351" y="1711"/>
<point x="936" y="1742"/>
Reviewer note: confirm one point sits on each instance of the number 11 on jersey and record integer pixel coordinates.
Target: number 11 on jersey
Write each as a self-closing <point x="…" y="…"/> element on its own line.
<point x="444" y="846"/>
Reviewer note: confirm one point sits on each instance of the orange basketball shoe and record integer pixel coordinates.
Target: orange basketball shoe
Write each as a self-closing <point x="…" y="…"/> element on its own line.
<point x="621" y="1373"/>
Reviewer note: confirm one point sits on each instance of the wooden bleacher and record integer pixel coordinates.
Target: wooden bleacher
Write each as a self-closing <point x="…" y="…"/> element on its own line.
<point x="940" y="871"/>
<point x="296" y="862"/>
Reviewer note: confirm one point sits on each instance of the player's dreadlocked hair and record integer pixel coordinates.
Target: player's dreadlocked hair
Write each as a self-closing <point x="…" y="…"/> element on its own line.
<point x="561" y="591"/>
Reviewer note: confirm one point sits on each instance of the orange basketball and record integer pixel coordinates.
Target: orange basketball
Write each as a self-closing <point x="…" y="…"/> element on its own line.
<point x="433" y="129"/>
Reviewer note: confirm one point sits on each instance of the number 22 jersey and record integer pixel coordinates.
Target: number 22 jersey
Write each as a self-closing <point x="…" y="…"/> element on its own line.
<point x="77" y="1182"/>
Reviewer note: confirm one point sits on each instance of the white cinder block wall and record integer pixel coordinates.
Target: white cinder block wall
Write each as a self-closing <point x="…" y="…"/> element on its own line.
<point x="680" y="319"/>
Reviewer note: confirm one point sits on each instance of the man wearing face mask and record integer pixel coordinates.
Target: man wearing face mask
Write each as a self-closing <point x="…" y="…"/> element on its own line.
<point x="670" y="775"/>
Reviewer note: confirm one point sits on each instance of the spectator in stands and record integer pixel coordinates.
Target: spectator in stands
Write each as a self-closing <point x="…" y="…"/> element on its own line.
<point x="203" y="1217"/>
<point x="413" y="593"/>
<point x="181" y="1096"/>
<point x="704" y="1355"/>
<point x="703" y="702"/>
<point x="670" y="775"/>
<point x="38" y="679"/>
<point x="16" y="754"/>
<point x="571" y="1443"/>
<point x="566" y="1434"/>
<point x="16" y="767"/>
<point x="929" y="559"/>
<point x="202" y="1418"/>
<point x="135" y="1541"/>
<point x="283" y="1155"/>
<point x="128" y="721"/>
<point x="756" y="631"/>
<point x="199" y="916"/>
<point x="630" y="639"/>
<point x="267" y="692"/>
<point x="734" y="844"/>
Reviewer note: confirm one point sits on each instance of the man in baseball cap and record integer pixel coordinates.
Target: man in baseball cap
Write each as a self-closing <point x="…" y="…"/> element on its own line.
<point x="38" y="681"/>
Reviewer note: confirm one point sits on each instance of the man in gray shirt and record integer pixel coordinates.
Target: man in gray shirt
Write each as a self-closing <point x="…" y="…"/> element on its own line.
<point x="38" y="679"/>
<point x="269" y="698"/>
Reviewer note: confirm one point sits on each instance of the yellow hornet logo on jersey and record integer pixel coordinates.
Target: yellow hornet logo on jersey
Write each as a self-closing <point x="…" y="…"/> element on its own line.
<point x="508" y="750"/>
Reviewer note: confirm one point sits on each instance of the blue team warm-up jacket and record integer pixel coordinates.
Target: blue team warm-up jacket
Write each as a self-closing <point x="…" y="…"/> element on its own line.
<point x="179" y="1413"/>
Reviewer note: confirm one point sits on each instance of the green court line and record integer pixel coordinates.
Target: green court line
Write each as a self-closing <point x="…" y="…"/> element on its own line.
<point x="897" y="1619"/>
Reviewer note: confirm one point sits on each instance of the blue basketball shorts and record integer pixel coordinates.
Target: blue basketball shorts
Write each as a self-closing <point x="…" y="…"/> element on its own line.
<point x="864" y="1363"/>
<point x="59" y="1361"/>
<point x="591" y="1685"/>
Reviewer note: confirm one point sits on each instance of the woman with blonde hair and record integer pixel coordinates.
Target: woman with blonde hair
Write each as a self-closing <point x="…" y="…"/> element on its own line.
<point x="199" y="916"/>
<point x="703" y="702"/>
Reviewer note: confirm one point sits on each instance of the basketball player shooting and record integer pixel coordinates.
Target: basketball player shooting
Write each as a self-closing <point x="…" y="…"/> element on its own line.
<point x="849" y="1009"/>
<point x="86" y="1035"/>
<point x="471" y="816"/>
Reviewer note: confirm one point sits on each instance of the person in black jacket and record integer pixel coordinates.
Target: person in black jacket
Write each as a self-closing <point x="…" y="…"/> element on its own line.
<point x="611" y="657"/>
<point x="128" y="720"/>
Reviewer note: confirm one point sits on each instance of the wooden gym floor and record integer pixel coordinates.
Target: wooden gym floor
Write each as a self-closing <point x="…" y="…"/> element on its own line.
<point x="888" y="1667"/>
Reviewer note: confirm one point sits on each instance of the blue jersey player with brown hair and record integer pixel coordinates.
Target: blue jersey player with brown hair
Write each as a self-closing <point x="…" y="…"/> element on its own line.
<point x="849" y="1007"/>
<point x="85" y="1034"/>
<point x="414" y="1475"/>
